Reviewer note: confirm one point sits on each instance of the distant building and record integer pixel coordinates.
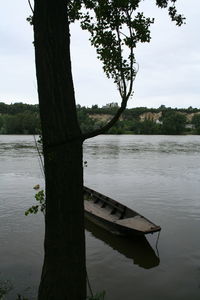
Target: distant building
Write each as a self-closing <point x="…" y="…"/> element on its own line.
<point x="111" y="105"/>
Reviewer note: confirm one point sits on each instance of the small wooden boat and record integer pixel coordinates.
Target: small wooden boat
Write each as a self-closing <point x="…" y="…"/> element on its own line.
<point x="114" y="216"/>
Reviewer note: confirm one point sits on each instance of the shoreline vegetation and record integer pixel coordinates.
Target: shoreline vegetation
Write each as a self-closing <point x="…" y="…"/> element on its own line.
<point x="21" y="118"/>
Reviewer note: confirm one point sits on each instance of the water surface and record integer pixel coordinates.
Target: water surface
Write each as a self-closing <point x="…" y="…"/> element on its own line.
<point x="159" y="176"/>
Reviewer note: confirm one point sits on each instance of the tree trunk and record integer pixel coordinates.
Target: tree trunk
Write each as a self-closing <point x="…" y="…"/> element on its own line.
<point x="64" y="273"/>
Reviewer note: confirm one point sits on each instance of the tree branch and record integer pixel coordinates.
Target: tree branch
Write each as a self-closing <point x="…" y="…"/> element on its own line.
<point x="29" y="2"/>
<point x="106" y="127"/>
<point x="122" y="91"/>
<point x="123" y="34"/>
<point x="131" y="57"/>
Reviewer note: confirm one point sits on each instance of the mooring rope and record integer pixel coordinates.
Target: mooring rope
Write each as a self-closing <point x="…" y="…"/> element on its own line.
<point x="41" y="164"/>
<point x="157" y="244"/>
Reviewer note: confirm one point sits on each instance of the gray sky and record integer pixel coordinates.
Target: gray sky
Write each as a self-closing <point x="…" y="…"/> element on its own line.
<point x="169" y="67"/>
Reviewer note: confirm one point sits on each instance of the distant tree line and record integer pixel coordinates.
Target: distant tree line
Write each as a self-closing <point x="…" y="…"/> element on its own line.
<point x="133" y="121"/>
<point x="20" y="118"/>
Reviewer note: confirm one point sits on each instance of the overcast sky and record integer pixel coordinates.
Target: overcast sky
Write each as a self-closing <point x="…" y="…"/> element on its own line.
<point x="169" y="67"/>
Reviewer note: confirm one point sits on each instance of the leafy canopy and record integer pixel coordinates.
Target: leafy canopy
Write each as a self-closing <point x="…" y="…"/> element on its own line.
<point x="116" y="27"/>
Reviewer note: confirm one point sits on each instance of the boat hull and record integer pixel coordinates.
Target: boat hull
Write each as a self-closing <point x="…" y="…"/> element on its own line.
<point x="111" y="226"/>
<point x="114" y="216"/>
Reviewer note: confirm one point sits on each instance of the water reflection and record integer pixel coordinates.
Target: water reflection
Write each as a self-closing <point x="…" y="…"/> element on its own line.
<point x="137" y="249"/>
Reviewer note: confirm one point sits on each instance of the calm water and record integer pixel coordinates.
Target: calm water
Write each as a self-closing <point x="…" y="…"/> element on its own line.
<point x="159" y="176"/>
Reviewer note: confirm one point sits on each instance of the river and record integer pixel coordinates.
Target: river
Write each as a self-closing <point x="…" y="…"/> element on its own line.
<point x="158" y="176"/>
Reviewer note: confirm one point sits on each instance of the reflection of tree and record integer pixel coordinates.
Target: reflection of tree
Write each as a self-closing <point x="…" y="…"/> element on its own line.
<point x="137" y="249"/>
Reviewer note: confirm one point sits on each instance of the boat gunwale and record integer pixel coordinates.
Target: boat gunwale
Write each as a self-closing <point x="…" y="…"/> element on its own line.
<point x="118" y="205"/>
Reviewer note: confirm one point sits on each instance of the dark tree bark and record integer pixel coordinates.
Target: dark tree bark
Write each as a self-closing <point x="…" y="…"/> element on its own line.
<point x="64" y="273"/>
